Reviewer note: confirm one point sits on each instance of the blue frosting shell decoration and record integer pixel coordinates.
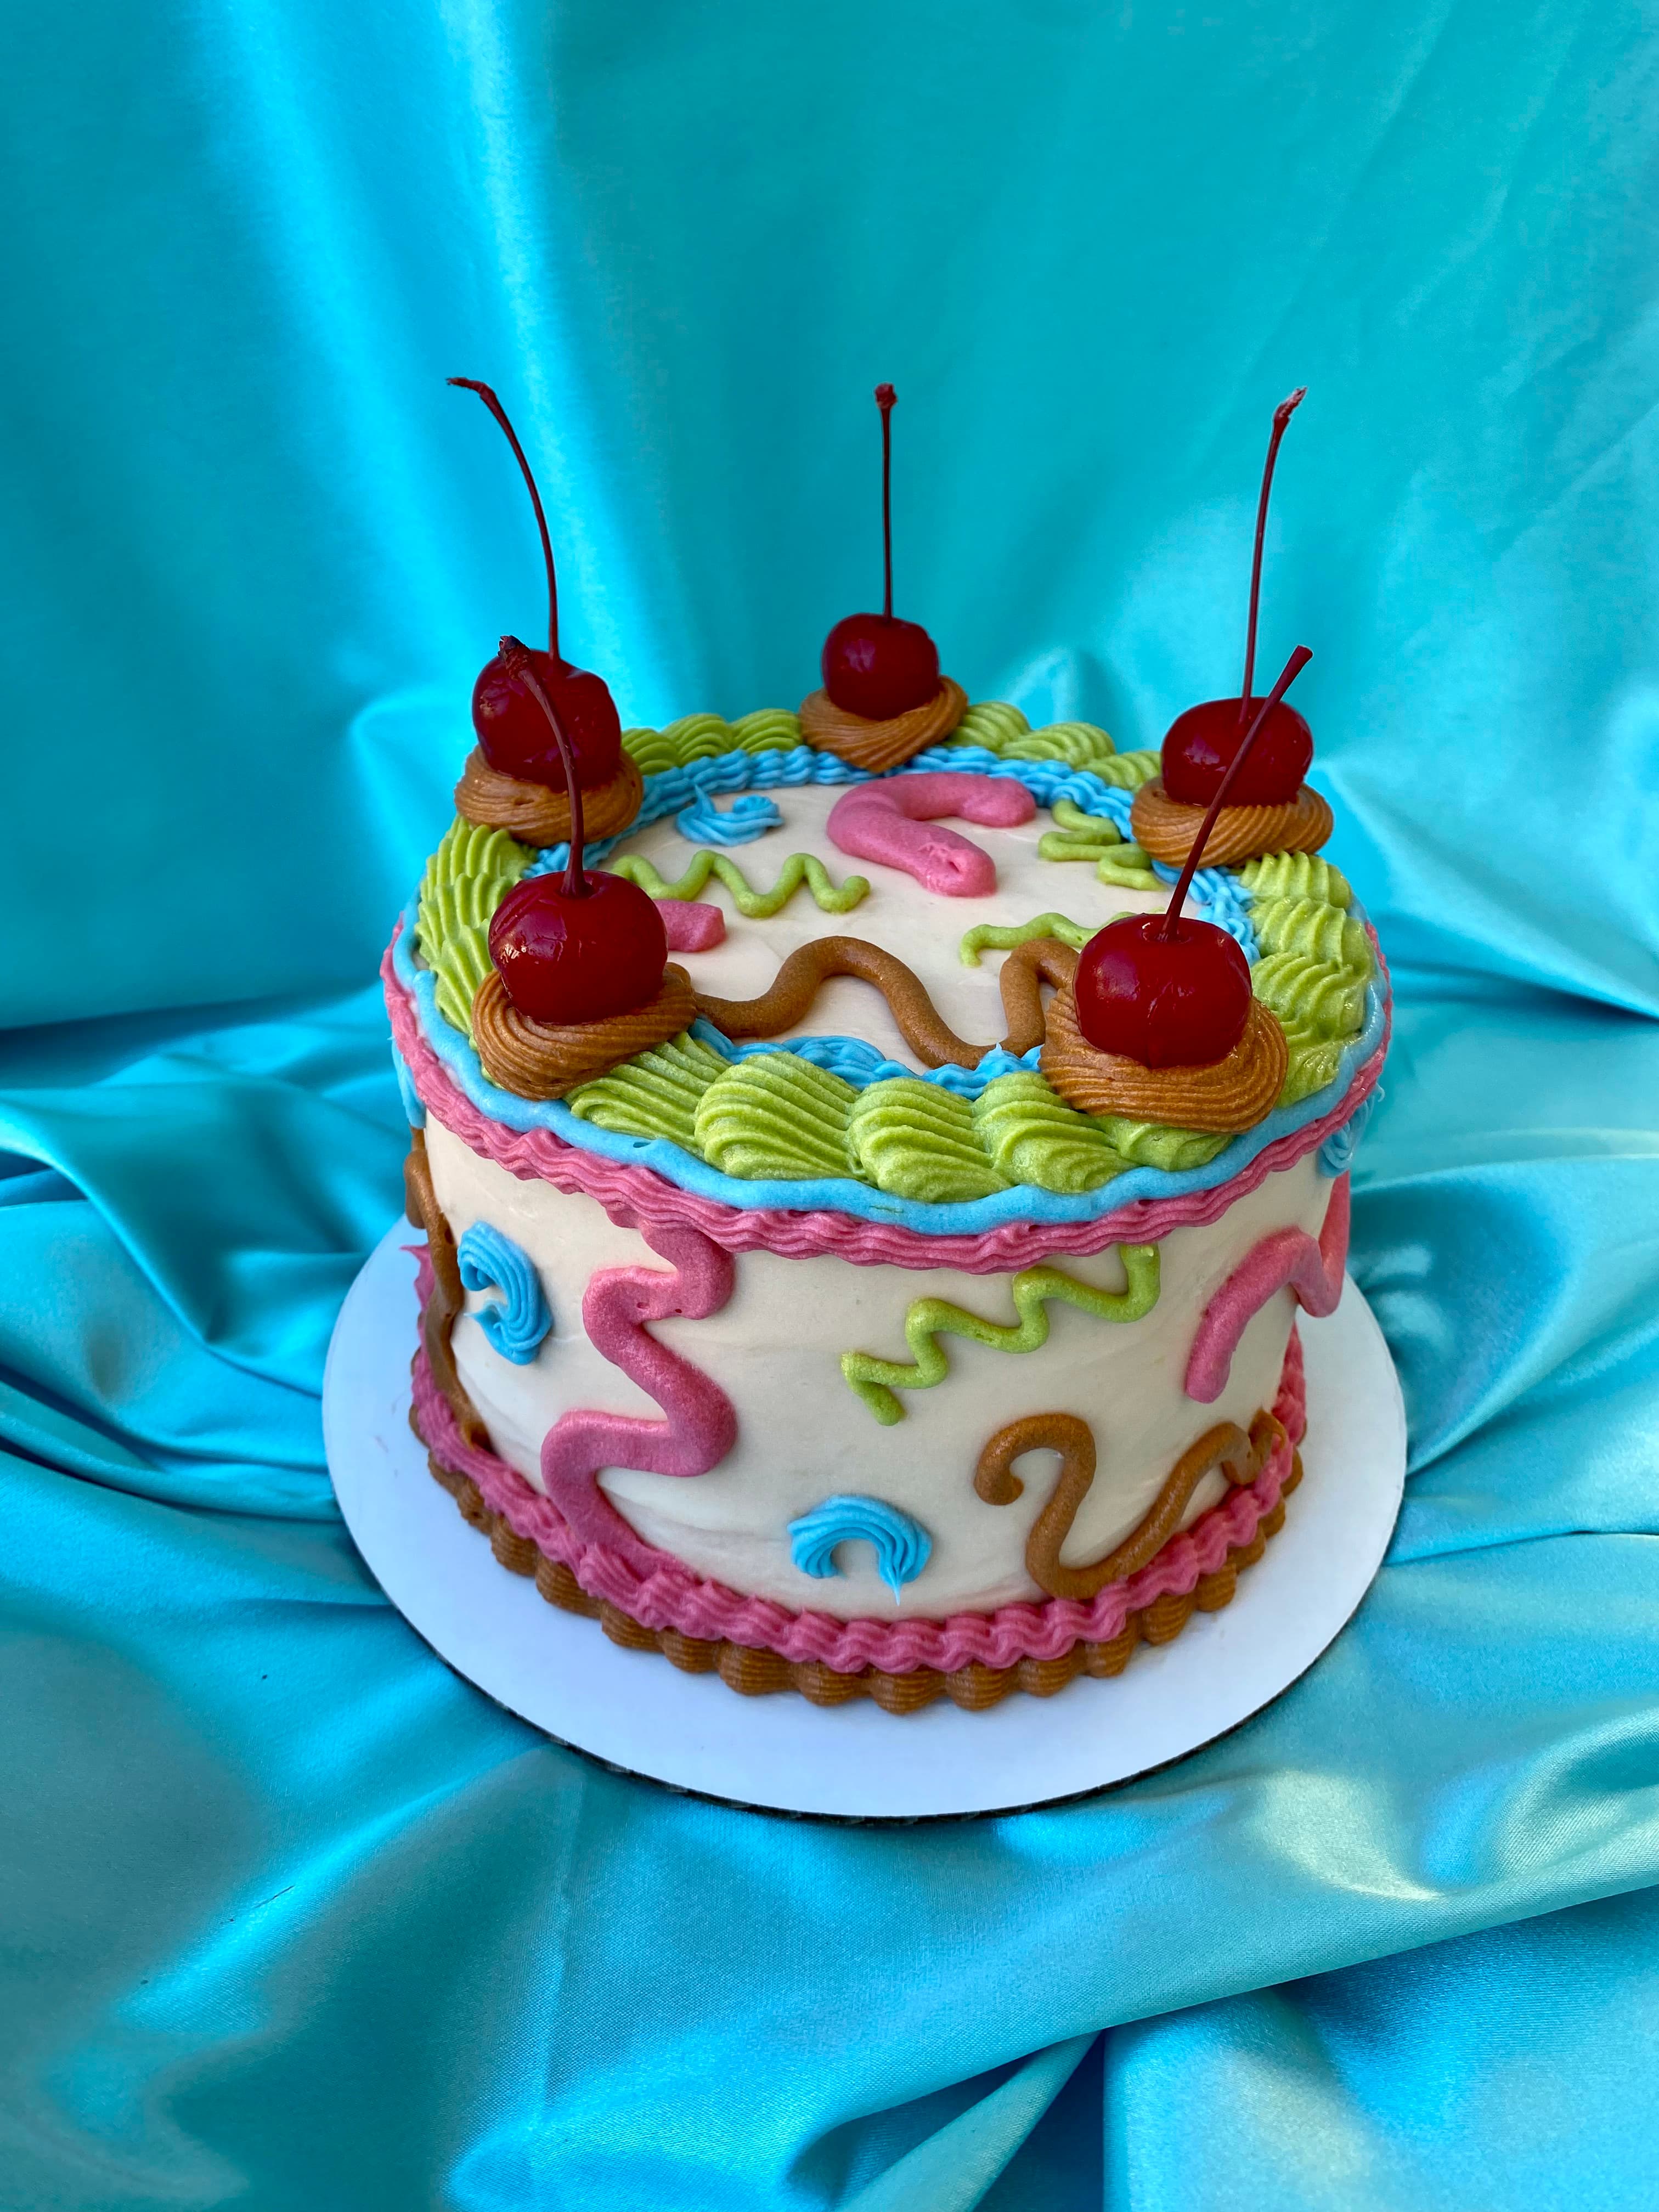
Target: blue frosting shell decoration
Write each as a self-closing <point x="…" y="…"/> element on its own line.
<point x="517" y="1328"/>
<point x="903" y="1546"/>
<point x="750" y="815"/>
<point x="1336" y="1153"/>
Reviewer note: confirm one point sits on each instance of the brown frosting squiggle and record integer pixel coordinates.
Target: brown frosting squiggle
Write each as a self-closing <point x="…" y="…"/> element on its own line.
<point x="804" y="975"/>
<point x="1230" y="1095"/>
<point x="1040" y="960"/>
<point x="536" y="814"/>
<point x="754" y="1673"/>
<point x="438" y="1319"/>
<point x="1166" y="828"/>
<point x="1240" y="1458"/>
<point x="543" y="1060"/>
<point x="879" y="745"/>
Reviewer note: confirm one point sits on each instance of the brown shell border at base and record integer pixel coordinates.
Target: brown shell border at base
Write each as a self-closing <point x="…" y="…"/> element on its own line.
<point x="879" y="745"/>
<point x="755" y="1673"/>
<point x="1165" y="828"/>
<point x="536" y="815"/>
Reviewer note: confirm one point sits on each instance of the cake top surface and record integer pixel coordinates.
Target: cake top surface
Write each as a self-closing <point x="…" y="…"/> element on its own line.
<point x="976" y="869"/>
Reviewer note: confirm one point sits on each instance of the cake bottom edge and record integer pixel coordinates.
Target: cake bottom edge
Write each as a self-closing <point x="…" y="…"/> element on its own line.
<point x="757" y="1673"/>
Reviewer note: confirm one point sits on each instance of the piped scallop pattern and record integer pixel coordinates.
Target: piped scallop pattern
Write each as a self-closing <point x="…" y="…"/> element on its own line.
<point x="519" y="1323"/>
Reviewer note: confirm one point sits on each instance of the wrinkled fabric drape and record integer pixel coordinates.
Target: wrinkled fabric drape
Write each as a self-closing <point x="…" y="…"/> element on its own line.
<point x="292" y="1917"/>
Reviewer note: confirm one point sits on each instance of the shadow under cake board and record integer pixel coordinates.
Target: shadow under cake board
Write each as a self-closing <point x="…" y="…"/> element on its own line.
<point x="636" y="1714"/>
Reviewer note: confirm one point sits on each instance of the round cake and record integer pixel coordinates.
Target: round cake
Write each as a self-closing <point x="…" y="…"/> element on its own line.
<point x="858" y="1261"/>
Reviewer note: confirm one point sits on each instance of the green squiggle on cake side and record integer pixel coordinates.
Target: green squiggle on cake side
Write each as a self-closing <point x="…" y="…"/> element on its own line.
<point x="465" y="881"/>
<point x="774" y="1115"/>
<point x="1032" y="1136"/>
<point x="755" y="906"/>
<point x="875" y="1380"/>
<point x="919" y="1141"/>
<point x="655" y="1094"/>
<point x="996" y="937"/>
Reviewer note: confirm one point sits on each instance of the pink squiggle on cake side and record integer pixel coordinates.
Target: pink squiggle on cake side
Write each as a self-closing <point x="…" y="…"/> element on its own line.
<point x="1287" y="1260"/>
<point x="691" y="924"/>
<point x="892" y="823"/>
<point x="630" y="1193"/>
<point x="701" y="1425"/>
<point x="671" y="1596"/>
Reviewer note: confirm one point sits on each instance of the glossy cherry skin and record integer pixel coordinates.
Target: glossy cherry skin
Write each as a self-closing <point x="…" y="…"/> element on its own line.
<point x="1179" y="1001"/>
<point x="564" y="959"/>
<point x="513" y="730"/>
<point x="1200" y="748"/>
<point x="878" y="666"/>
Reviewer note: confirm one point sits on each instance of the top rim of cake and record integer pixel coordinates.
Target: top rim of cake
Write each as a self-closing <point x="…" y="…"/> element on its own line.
<point x="806" y="1118"/>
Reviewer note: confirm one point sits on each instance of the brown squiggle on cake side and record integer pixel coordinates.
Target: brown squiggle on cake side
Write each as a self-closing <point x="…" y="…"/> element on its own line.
<point x="1166" y="829"/>
<point x="1040" y="960"/>
<point x="543" y="1060"/>
<point x="1240" y="1458"/>
<point x="809" y="967"/>
<point x="879" y="745"/>
<point x="1230" y="1095"/>
<point x="446" y="1297"/>
<point x="535" y="813"/>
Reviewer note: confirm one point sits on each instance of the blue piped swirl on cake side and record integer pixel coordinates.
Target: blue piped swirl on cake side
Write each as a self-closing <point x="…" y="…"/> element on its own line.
<point x="488" y="1259"/>
<point x="903" y="1546"/>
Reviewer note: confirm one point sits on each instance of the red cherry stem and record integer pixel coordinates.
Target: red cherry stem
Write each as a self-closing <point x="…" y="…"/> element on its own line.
<point x="467" y="384"/>
<point x="1287" y="676"/>
<point x="515" y="659"/>
<point x="887" y="399"/>
<point x="1282" y="415"/>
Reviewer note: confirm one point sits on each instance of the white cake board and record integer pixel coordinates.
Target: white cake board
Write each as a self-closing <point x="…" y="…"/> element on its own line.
<point x="635" y="1710"/>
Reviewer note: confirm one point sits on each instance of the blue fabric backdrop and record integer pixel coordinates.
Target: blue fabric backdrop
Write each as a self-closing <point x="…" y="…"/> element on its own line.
<point x="292" y="1918"/>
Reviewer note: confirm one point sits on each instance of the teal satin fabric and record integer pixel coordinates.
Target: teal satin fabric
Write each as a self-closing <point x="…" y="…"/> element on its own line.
<point x="292" y="1917"/>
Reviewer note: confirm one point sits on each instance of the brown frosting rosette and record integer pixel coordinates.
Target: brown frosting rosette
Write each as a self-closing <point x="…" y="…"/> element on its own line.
<point x="536" y="814"/>
<point x="1166" y="829"/>
<point x="879" y="745"/>
<point x="545" y="1060"/>
<point x="1228" y="1096"/>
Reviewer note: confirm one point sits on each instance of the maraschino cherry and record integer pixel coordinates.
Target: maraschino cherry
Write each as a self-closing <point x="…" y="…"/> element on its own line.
<point x="874" y="666"/>
<point x="511" y="731"/>
<point x="1165" y="989"/>
<point x="573" y="947"/>
<point x="1203" y="743"/>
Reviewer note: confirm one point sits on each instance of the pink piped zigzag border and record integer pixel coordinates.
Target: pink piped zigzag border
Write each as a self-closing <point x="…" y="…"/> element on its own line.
<point x="671" y="1596"/>
<point x="638" y="1196"/>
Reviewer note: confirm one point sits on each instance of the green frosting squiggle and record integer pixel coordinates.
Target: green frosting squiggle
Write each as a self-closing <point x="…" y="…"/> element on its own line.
<point x="875" y="1380"/>
<point x="465" y="881"/>
<point x="655" y="1094"/>
<point x="919" y="1141"/>
<point x="1083" y="836"/>
<point x="997" y="937"/>
<point x="774" y="1115"/>
<point x="799" y="868"/>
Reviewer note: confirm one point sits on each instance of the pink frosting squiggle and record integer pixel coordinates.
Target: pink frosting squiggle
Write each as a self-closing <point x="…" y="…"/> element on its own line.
<point x="892" y="823"/>
<point x="691" y="924"/>
<point x="701" y="1425"/>
<point x="668" y="1595"/>
<point x="631" y="1194"/>
<point x="1287" y="1260"/>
